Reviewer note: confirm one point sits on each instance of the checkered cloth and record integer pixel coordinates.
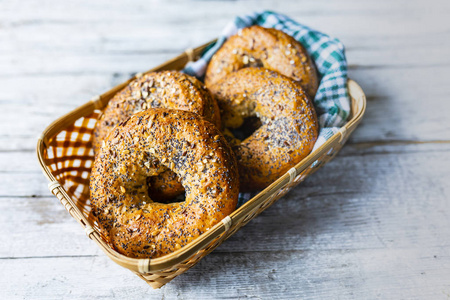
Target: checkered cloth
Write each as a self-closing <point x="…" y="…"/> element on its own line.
<point x="332" y="102"/>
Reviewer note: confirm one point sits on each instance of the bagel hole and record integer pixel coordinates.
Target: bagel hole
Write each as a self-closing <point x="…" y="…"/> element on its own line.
<point x="167" y="200"/>
<point x="250" y="125"/>
<point x="254" y="63"/>
<point x="175" y="199"/>
<point x="161" y="195"/>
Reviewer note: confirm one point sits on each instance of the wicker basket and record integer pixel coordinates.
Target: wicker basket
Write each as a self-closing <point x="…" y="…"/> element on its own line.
<point x="65" y="153"/>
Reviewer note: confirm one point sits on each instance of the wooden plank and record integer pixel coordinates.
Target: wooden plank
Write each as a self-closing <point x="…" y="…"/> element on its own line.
<point x="153" y="35"/>
<point x="207" y="13"/>
<point x="342" y="274"/>
<point x="393" y="113"/>
<point x="83" y="57"/>
<point x="110" y="40"/>
<point x="370" y="199"/>
<point x="28" y="220"/>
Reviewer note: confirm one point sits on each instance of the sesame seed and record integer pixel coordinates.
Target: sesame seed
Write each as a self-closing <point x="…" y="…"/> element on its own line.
<point x="122" y="189"/>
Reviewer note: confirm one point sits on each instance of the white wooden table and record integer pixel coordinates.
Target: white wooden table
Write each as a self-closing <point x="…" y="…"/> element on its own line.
<point x="373" y="223"/>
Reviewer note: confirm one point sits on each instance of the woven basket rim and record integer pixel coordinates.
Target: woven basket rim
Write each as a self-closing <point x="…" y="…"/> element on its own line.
<point x="167" y="261"/>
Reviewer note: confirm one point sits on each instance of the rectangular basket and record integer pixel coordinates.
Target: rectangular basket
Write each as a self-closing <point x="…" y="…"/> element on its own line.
<point x="65" y="153"/>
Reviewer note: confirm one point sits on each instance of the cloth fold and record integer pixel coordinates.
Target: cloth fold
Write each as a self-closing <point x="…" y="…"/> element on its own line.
<point x="332" y="101"/>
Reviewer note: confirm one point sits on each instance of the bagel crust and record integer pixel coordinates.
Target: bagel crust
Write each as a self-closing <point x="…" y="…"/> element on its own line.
<point x="269" y="48"/>
<point x="288" y="120"/>
<point x="167" y="89"/>
<point x="146" y="144"/>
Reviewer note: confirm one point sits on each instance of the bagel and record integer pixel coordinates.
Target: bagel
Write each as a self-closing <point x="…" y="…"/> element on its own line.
<point x="168" y="89"/>
<point x="270" y="48"/>
<point x="147" y="143"/>
<point x="288" y="123"/>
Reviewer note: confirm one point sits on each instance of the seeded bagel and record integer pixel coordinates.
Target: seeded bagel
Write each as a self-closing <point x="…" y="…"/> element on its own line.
<point x="288" y="123"/>
<point x="148" y="142"/>
<point x="270" y="48"/>
<point x="168" y="89"/>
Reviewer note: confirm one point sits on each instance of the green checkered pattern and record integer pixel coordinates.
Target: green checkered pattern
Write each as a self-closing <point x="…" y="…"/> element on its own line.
<point x="332" y="102"/>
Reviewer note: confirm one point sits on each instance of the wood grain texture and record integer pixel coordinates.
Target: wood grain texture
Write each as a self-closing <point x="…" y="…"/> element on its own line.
<point x="372" y="224"/>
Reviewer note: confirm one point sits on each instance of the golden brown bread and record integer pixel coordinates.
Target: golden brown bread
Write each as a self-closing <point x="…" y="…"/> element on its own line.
<point x="143" y="146"/>
<point x="168" y="89"/>
<point x="288" y="120"/>
<point x="270" y="48"/>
